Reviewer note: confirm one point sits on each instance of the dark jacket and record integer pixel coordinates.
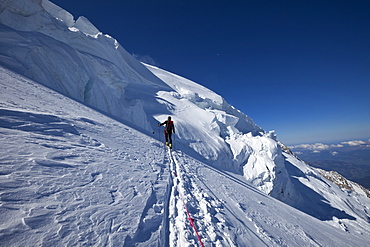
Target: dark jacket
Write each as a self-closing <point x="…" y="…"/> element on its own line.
<point x="170" y="127"/>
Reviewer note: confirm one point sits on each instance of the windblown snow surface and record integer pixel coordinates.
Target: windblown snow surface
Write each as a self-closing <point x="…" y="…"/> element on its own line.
<point x="83" y="161"/>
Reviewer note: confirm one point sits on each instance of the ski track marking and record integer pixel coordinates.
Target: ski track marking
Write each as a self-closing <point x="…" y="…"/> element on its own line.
<point x="210" y="213"/>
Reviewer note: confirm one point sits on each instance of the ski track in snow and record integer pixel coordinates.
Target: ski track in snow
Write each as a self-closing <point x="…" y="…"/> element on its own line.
<point x="230" y="212"/>
<point x="211" y="213"/>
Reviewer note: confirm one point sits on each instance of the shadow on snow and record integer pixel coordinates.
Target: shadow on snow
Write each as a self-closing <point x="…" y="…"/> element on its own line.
<point x="313" y="204"/>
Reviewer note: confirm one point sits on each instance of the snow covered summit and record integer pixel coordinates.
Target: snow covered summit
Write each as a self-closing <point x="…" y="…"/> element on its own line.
<point x="111" y="182"/>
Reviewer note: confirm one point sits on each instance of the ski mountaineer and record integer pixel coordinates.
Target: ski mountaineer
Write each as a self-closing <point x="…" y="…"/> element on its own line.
<point x="169" y="128"/>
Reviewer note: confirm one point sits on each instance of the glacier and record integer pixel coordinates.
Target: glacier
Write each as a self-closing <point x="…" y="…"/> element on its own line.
<point x="101" y="106"/>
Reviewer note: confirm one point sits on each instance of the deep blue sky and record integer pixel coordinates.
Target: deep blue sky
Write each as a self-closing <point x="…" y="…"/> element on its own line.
<point x="301" y="68"/>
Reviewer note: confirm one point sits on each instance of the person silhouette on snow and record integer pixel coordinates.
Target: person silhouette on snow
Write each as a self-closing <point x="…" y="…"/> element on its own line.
<point x="169" y="128"/>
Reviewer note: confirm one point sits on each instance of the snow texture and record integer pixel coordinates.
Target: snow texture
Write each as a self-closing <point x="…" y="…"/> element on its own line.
<point x="83" y="161"/>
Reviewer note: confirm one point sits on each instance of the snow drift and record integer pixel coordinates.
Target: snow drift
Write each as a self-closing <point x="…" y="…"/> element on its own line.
<point x="43" y="42"/>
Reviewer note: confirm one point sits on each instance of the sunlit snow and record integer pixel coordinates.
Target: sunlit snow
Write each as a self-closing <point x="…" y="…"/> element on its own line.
<point x="83" y="160"/>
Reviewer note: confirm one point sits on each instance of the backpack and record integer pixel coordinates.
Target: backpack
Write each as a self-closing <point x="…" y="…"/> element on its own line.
<point x="169" y="126"/>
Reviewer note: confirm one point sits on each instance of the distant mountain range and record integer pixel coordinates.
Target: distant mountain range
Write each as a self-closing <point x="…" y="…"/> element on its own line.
<point x="351" y="158"/>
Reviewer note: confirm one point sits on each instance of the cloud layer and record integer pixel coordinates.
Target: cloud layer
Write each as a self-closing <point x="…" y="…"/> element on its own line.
<point x="317" y="147"/>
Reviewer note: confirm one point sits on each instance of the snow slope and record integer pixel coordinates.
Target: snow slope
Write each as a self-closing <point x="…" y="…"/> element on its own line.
<point x="73" y="176"/>
<point x="78" y="168"/>
<point x="44" y="43"/>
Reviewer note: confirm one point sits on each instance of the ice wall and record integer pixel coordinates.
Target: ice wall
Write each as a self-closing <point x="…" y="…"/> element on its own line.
<point x="43" y="42"/>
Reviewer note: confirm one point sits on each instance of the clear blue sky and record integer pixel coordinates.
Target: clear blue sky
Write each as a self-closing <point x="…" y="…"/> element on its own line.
<point x="301" y="68"/>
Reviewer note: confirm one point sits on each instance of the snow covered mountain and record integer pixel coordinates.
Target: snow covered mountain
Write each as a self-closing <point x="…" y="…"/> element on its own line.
<point x="86" y="169"/>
